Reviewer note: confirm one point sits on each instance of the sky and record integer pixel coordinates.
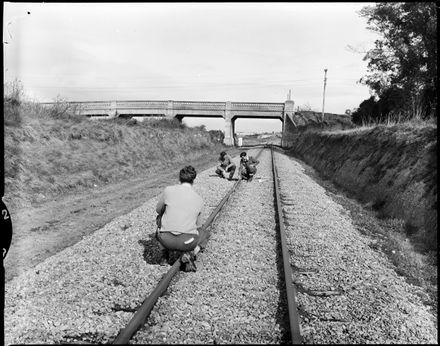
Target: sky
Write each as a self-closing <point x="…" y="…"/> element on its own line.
<point x="239" y="52"/>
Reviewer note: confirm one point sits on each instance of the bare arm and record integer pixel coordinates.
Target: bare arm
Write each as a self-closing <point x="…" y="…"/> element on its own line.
<point x="253" y="161"/>
<point x="230" y="163"/>
<point x="161" y="204"/>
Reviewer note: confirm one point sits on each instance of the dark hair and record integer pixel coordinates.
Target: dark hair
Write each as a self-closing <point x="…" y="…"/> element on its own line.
<point x="187" y="174"/>
<point x="243" y="154"/>
<point x="223" y="153"/>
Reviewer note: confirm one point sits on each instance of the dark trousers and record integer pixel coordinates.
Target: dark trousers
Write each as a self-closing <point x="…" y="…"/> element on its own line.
<point x="183" y="242"/>
<point x="231" y="170"/>
<point x="248" y="172"/>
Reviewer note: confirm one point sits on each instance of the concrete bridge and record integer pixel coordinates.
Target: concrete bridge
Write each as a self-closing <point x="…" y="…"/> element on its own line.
<point x="229" y="111"/>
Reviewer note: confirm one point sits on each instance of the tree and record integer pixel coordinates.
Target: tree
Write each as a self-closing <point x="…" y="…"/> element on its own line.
<point x="366" y="112"/>
<point x="406" y="58"/>
<point x="216" y="135"/>
<point x="381" y="110"/>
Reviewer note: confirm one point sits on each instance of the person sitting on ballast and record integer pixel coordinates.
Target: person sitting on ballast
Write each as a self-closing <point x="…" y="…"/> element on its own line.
<point x="248" y="167"/>
<point x="225" y="166"/>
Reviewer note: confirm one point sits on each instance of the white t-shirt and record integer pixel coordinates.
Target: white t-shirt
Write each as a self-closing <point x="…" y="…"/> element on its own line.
<point x="183" y="209"/>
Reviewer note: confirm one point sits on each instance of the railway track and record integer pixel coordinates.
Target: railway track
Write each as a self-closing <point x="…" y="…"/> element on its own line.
<point x="244" y="289"/>
<point x="144" y="311"/>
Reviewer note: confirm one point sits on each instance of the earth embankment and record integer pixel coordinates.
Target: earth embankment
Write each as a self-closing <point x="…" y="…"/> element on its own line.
<point x="392" y="168"/>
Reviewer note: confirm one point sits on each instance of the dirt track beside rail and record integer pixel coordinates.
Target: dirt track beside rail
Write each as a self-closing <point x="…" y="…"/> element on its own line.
<point x="41" y="232"/>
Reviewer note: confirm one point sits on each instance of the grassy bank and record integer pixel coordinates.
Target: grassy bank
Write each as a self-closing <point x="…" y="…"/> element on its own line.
<point x="50" y="152"/>
<point x="392" y="170"/>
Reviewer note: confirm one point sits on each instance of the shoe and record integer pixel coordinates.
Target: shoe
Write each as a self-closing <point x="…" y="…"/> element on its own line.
<point x="186" y="257"/>
<point x="250" y="178"/>
<point x="191" y="255"/>
<point x="188" y="264"/>
<point x="190" y="267"/>
<point x="164" y="258"/>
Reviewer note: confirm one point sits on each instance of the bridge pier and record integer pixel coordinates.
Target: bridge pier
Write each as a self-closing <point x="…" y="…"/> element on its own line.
<point x="234" y="138"/>
<point x="170" y="110"/>
<point x="113" y="113"/>
<point x="229" y="136"/>
<point x="229" y="130"/>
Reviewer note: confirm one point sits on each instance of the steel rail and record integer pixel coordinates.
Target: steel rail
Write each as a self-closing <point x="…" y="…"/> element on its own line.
<point x="295" y="331"/>
<point x="144" y="311"/>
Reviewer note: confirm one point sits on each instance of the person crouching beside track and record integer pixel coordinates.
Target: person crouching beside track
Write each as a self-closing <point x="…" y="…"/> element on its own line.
<point x="248" y="167"/>
<point x="179" y="224"/>
<point x="225" y="166"/>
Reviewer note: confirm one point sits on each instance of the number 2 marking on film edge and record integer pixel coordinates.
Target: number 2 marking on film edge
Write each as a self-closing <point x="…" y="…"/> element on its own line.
<point x="5" y="214"/>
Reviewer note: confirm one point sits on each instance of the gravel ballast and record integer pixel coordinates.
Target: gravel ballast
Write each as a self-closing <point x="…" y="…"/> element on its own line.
<point x="234" y="296"/>
<point x="347" y="292"/>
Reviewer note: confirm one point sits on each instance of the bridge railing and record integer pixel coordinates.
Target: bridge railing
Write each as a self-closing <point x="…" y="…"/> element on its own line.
<point x="88" y="106"/>
<point x="142" y="104"/>
<point x="92" y="105"/>
<point x="195" y="105"/>
<point x="84" y="104"/>
<point x="257" y="106"/>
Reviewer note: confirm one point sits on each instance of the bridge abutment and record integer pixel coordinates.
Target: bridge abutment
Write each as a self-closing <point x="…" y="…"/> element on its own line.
<point x="288" y="112"/>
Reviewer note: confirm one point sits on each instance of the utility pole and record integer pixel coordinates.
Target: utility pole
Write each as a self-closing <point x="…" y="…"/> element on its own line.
<point x="323" y="97"/>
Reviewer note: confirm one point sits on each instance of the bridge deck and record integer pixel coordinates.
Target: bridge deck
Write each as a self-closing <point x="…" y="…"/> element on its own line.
<point x="178" y="108"/>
